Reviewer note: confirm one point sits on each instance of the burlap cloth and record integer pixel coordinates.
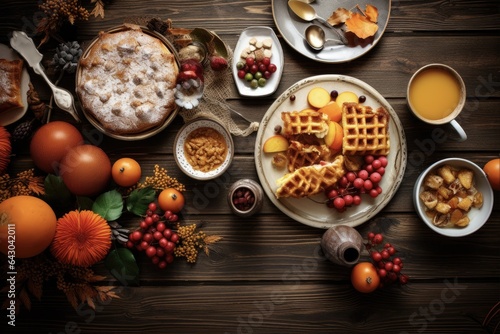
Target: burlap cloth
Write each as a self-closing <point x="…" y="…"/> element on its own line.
<point x="213" y="104"/>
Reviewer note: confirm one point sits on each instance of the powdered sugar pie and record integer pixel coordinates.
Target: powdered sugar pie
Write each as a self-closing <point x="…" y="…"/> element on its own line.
<point x="127" y="81"/>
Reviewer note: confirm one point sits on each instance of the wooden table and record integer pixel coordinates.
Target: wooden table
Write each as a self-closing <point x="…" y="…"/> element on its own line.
<point x="264" y="276"/>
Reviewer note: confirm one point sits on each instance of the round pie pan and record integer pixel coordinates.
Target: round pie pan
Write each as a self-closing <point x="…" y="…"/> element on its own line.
<point x="140" y="135"/>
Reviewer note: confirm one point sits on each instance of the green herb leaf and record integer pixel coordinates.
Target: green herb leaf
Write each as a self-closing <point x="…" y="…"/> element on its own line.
<point x="56" y="192"/>
<point x="109" y="205"/>
<point x="139" y="199"/>
<point x="84" y="203"/>
<point x="122" y="265"/>
<point x="211" y="40"/>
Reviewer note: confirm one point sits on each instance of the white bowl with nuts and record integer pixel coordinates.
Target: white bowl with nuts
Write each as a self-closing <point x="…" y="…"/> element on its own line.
<point x="203" y="149"/>
<point x="453" y="197"/>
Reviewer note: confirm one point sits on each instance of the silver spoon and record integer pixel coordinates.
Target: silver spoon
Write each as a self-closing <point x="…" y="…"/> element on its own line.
<point x="26" y="48"/>
<point x="315" y="37"/>
<point x="307" y="13"/>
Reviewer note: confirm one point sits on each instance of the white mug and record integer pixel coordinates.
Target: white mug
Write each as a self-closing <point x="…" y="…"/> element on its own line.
<point x="450" y="117"/>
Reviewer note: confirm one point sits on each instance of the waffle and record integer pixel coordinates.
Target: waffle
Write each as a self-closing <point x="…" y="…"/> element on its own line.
<point x="310" y="180"/>
<point x="365" y="131"/>
<point x="306" y="121"/>
<point x="302" y="155"/>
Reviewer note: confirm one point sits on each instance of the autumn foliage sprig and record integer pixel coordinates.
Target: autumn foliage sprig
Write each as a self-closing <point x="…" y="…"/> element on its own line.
<point x="57" y="12"/>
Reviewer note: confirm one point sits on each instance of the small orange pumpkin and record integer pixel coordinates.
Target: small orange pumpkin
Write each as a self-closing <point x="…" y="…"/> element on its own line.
<point x="5" y="149"/>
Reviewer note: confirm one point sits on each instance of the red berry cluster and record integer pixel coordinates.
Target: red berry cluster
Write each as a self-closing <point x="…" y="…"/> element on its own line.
<point x="348" y="190"/>
<point x="155" y="237"/>
<point x="256" y="72"/>
<point x="388" y="265"/>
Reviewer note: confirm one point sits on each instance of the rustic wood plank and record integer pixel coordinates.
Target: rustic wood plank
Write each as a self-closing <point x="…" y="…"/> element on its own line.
<point x="298" y="306"/>
<point x="269" y="255"/>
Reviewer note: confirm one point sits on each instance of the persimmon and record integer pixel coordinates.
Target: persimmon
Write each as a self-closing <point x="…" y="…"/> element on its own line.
<point x="85" y="170"/>
<point x="126" y="172"/>
<point x="364" y="277"/>
<point x="492" y="170"/>
<point x="171" y="199"/>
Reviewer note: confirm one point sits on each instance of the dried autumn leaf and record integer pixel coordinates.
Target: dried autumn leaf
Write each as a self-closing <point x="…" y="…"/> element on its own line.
<point x="90" y="303"/>
<point x="371" y="13"/>
<point x="25" y="299"/>
<point x="210" y="239"/>
<point x="70" y="294"/>
<point x="98" y="8"/>
<point x="361" y="26"/>
<point x="339" y="16"/>
<point x="35" y="288"/>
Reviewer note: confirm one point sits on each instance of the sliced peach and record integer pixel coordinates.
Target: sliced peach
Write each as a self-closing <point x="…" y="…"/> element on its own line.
<point x="276" y="143"/>
<point x="318" y="97"/>
<point x="333" y="111"/>
<point x="333" y="138"/>
<point x="346" y="97"/>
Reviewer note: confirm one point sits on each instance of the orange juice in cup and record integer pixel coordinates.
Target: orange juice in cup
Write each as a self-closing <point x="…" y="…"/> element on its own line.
<point x="436" y="95"/>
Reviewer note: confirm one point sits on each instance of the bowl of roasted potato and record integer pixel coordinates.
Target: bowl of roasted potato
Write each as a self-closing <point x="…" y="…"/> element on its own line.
<point x="453" y="197"/>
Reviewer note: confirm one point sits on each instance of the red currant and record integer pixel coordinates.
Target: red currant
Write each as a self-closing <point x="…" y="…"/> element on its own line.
<point x="151" y="251"/>
<point x="378" y="238"/>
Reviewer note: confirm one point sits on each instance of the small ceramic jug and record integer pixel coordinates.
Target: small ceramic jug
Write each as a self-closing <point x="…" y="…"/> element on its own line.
<point x="342" y="245"/>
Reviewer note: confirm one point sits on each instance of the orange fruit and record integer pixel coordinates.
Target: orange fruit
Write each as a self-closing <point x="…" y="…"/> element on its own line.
<point x="85" y="170"/>
<point x="171" y="199"/>
<point x="492" y="170"/>
<point x="27" y="226"/>
<point x="126" y="172"/>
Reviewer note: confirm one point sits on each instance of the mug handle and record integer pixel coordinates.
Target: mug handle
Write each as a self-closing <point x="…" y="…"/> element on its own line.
<point x="462" y="136"/>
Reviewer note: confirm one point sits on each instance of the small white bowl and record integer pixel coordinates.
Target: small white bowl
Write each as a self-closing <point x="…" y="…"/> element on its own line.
<point x="478" y="217"/>
<point x="180" y="157"/>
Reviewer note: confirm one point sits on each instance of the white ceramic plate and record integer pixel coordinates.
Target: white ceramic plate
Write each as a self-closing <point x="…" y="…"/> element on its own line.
<point x="12" y="115"/>
<point x="260" y="33"/>
<point x="477" y="216"/>
<point x="181" y="160"/>
<point x="313" y="211"/>
<point x="292" y="28"/>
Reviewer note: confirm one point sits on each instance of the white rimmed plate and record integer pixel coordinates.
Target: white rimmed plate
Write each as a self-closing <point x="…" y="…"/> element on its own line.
<point x="12" y="115"/>
<point x="313" y="211"/>
<point x="292" y="28"/>
<point x="181" y="160"/>
<point x="260" y="33"/>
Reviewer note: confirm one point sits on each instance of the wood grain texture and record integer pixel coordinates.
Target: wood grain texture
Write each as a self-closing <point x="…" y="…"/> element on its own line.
<point x="268" y="274"/>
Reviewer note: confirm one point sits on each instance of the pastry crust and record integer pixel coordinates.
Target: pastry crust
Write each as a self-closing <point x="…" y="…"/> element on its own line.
<point x="127" y="82"/>
<point x="10" y="84"/>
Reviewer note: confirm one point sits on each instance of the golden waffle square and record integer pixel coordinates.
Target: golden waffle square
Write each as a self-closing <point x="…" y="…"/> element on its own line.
<point x="302" y="155"/>
<point x="305" y="121"/>
<point x="310" y="180"/>
<point x="365" y="131"/>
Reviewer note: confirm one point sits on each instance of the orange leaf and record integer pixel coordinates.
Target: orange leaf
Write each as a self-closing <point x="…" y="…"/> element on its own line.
<point x="361" y="26"/>
<point x="371" y="13"/>
<point x="339" y="16"/>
